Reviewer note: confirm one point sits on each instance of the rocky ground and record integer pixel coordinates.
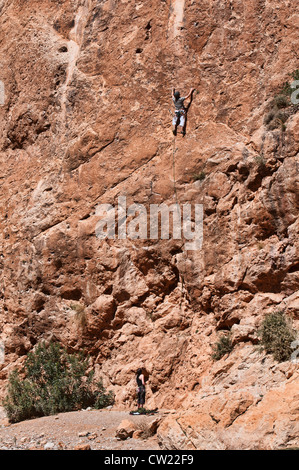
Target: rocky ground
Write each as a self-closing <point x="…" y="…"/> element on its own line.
<point x="80" y="430"/>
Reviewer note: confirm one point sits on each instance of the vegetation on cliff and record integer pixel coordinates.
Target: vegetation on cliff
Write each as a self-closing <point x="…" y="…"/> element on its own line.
<point x="277" y="335"/>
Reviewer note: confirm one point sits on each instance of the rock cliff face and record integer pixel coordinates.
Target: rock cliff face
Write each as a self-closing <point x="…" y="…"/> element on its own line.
<point x="86" y="120"/>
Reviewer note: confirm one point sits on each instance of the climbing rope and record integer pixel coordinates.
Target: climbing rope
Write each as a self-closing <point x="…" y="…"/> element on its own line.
<point x="182" y="296"/>
<point x="174" y="150"/>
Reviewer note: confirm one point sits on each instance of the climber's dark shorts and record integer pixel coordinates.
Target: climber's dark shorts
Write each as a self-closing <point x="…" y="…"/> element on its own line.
<point x="141" y="395"/>
<point x="179" y="118"/>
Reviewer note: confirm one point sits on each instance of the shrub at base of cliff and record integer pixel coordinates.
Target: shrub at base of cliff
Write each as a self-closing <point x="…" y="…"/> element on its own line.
<point x="276" y="335"/>
<point x="223" y="346"/>
<point x="54" y="382"/>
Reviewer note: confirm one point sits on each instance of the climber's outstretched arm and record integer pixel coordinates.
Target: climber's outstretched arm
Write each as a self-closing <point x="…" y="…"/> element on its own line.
<point x="190" y="93"/>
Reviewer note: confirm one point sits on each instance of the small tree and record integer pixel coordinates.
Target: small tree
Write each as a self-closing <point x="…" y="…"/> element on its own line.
<point x="276" y="335"/>
<point x="54" y="381"/>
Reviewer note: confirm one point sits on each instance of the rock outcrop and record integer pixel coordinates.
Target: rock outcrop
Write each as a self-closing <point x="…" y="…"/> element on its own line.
<point x="85" y="121"/>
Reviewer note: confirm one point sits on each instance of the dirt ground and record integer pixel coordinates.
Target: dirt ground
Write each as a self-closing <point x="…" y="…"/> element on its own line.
<point x="94" y="429"/>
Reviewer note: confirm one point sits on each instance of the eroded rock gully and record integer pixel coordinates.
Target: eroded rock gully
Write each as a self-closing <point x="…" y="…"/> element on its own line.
<point x="86" y="120"/>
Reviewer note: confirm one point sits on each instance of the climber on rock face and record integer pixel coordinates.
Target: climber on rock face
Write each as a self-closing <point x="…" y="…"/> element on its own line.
<point x="179" y="118"/>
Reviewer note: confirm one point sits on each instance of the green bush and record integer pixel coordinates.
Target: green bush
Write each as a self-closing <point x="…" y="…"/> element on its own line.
<point x="286" y="88"/>
<point x="281" y="101"/>
<point x="276" y="336"/>
<point x="53" y="381"/>
<point x="269" y="117"/>
<point x="260" y="160"/>
<point x="223" y="346"/>
<point x="199" y="176"/>
<point x="275" y="118"/>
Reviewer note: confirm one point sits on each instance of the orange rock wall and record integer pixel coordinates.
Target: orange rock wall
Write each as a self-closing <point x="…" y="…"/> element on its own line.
<point x="85" y="120"/>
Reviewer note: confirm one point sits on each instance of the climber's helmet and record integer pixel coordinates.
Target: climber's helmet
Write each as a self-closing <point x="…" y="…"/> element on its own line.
<point x="177" y="95"/>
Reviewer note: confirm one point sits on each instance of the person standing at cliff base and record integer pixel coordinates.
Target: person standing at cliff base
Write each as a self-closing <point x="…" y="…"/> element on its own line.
<point x="140" y="389"/>
<point x="179" y="119"/>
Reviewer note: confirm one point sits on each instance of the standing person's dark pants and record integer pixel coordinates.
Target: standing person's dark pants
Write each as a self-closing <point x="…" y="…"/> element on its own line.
<point x="141" y="395"/>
